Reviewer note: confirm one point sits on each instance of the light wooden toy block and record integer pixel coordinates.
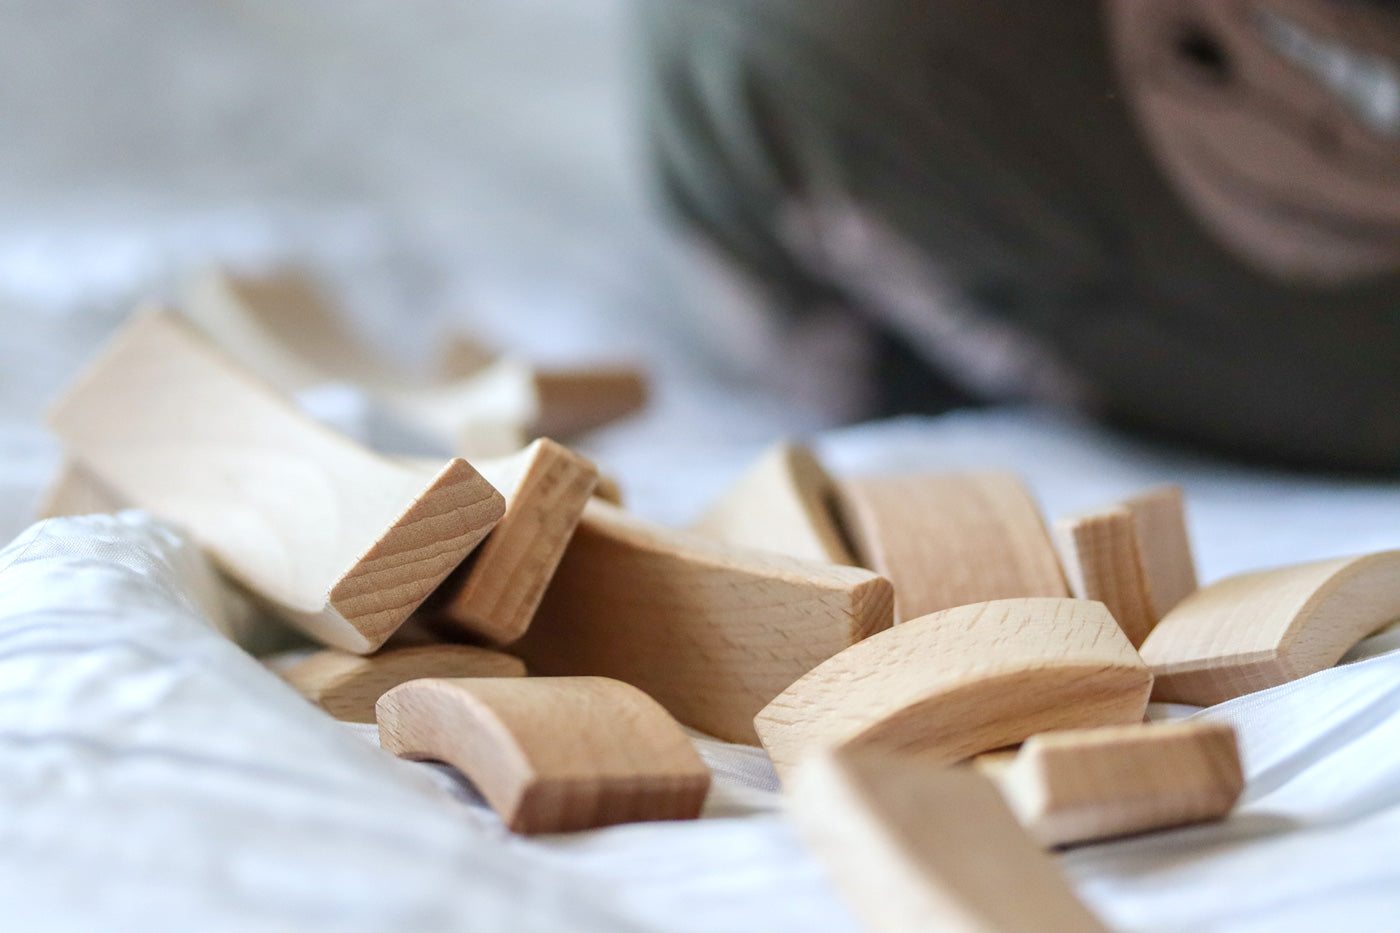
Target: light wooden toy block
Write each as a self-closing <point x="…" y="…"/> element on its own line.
<point x="1134" y="557"/>
<point x="917" y="847"/>
<point x="348" y="685"/>
<point x="75" y="490"/>
<point x="341" y="542"/>
<point x="1083" y="785"/>
<point x="1259" y="630"/>
<point x="711" y="631"/>
<point x="947" y="540"/>
<point x="551" y="754"/>
<point x="783" y="504"/>
<point x="963" y="681"/>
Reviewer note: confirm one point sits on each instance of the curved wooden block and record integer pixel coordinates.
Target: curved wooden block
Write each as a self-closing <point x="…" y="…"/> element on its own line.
<point x="964" y="681"/>
<point x="914" y="846"/>
<point x="341" y="542"/>
<point x="948" y="540"/>
<point x="782" y="504"/>
<point x="712" y="632"/>
<point x="551" y="754"/>
<point x="347" y="685"/>
<point x="1259" y="630"/>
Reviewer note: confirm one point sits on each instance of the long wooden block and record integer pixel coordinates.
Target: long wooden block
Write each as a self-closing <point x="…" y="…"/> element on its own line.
<point x="948" y="540"/>
<point x="347" y="685"/>
<point x="712" y="632"/>
<point x="963" y="681"/>
<point x="784" y="504"/>
<point x="1259" y="630"/>
<point x="551" y="754"/>
<point x="918" y="847"/>
<point x="1082" y="785"/>
<point x="341" y="542"/>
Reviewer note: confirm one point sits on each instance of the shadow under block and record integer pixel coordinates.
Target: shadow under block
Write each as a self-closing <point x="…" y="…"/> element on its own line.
<point x="347" y="685"/>
<point x="782" y="504"/>
<point x="711" y="631"/>
<point x="1082" y="785"/>
<point x="339" y="541"/>
<point x="551" y="754"/>
<point x="963" y="681"/>
<point x="917" y="847"/>
<point x="947" y="540"/>
<point x="1259" y="630"/>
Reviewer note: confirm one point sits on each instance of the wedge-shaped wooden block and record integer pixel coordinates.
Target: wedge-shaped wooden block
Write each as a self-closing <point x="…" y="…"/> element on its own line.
<point x="964" y="681"/>
<point x="1080" y="785"/>
<point x="339" y="541"/>
<point x="348" y="685"/>
<point x="551" y="754"/>
<point x="711" y="631"/>
<point x="783" y="504"/>
<point x="918" y="847"/>
<point x="1134" y="557"/>
<point x="1259" y="630"/>
<point x="947" y="540"/>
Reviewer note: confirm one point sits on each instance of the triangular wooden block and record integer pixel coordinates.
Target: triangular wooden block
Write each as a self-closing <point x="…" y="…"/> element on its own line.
<point x="963" y="681"/>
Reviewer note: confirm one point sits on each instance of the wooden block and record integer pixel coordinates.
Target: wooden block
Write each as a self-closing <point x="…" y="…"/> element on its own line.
<point x="551" y="754"/>
<point x="495" y="593"/>
<point x="711" y="631"/>
<point x="947" y="540"/>
<point x="575" y="400"/>
<point x="1082" y="785"/>
<point x="337" y="540"/>
<point x="1167" y="559"/>
<point x="347" y="685"/>
<point x="914" y="846"/>
<point x="76" y="491"/>
<point x="783" y="504"/>
<point x="1259" y="630"/>
<point x="963" y="681"/>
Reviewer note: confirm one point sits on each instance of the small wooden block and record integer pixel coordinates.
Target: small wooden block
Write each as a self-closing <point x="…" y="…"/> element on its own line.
<point x="914" y="846"/>
<point x="1086" y="784"/>
<point x="1167" y="560"/>
<point x="1259" y="630"/>
<point x="347" y="685"/>
<point x="712" y="632"/>
<point x="75" y="490"/>
<point x="573" y="401"/>
<point x="551" y="754"/>
<point x="947" y="540"/>
<point x="963" y="681"/>
<point x="783" y="504"/>
<point x="337" y="540"/>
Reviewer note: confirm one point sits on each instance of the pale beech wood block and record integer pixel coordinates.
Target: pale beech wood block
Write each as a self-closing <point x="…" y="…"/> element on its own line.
<point x="948" y="540"/>
<point x="1167" y="560"/>
<point x="551" y="754"/>
<point x="575" y="400"/>
<point x="783" y="504"/>
<point x="341" y="542"/>
<point x="348" y="685"/>
<point x="76" y="491"/>
<point x="1259" y="630"/>
<point x="1082" y="785"/>
<point x="963" y="681"/>
<point x="917" y="847"/>
<point x="711" y="631"/>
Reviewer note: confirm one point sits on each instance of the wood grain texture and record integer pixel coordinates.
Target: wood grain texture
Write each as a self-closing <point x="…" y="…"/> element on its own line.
<point x="347" y="685"/>
<point x="337" y="540"/>
<point x="712" y="632"/>
<point x="551" y="754"/>
<point x="963" y="681"/>
<point x="1259" y="630"/>
<point x="783" y="503"/>
<point x="1082" y="785"/>
<point x="917" y="847"/>
<point x="948" y="540"/>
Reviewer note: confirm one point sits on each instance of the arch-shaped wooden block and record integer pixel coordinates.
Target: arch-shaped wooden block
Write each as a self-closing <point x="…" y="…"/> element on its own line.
<point x="948" y="540"/>
<point x="963" y="681"/>
<point x="1259" y="630"/>
<point x="347" y="685"/>
<point x="712" y="632"/>
<point x="551" y="754"/>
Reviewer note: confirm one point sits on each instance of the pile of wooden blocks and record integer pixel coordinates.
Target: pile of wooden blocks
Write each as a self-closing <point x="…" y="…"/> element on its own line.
<point x="889" y="640"/>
